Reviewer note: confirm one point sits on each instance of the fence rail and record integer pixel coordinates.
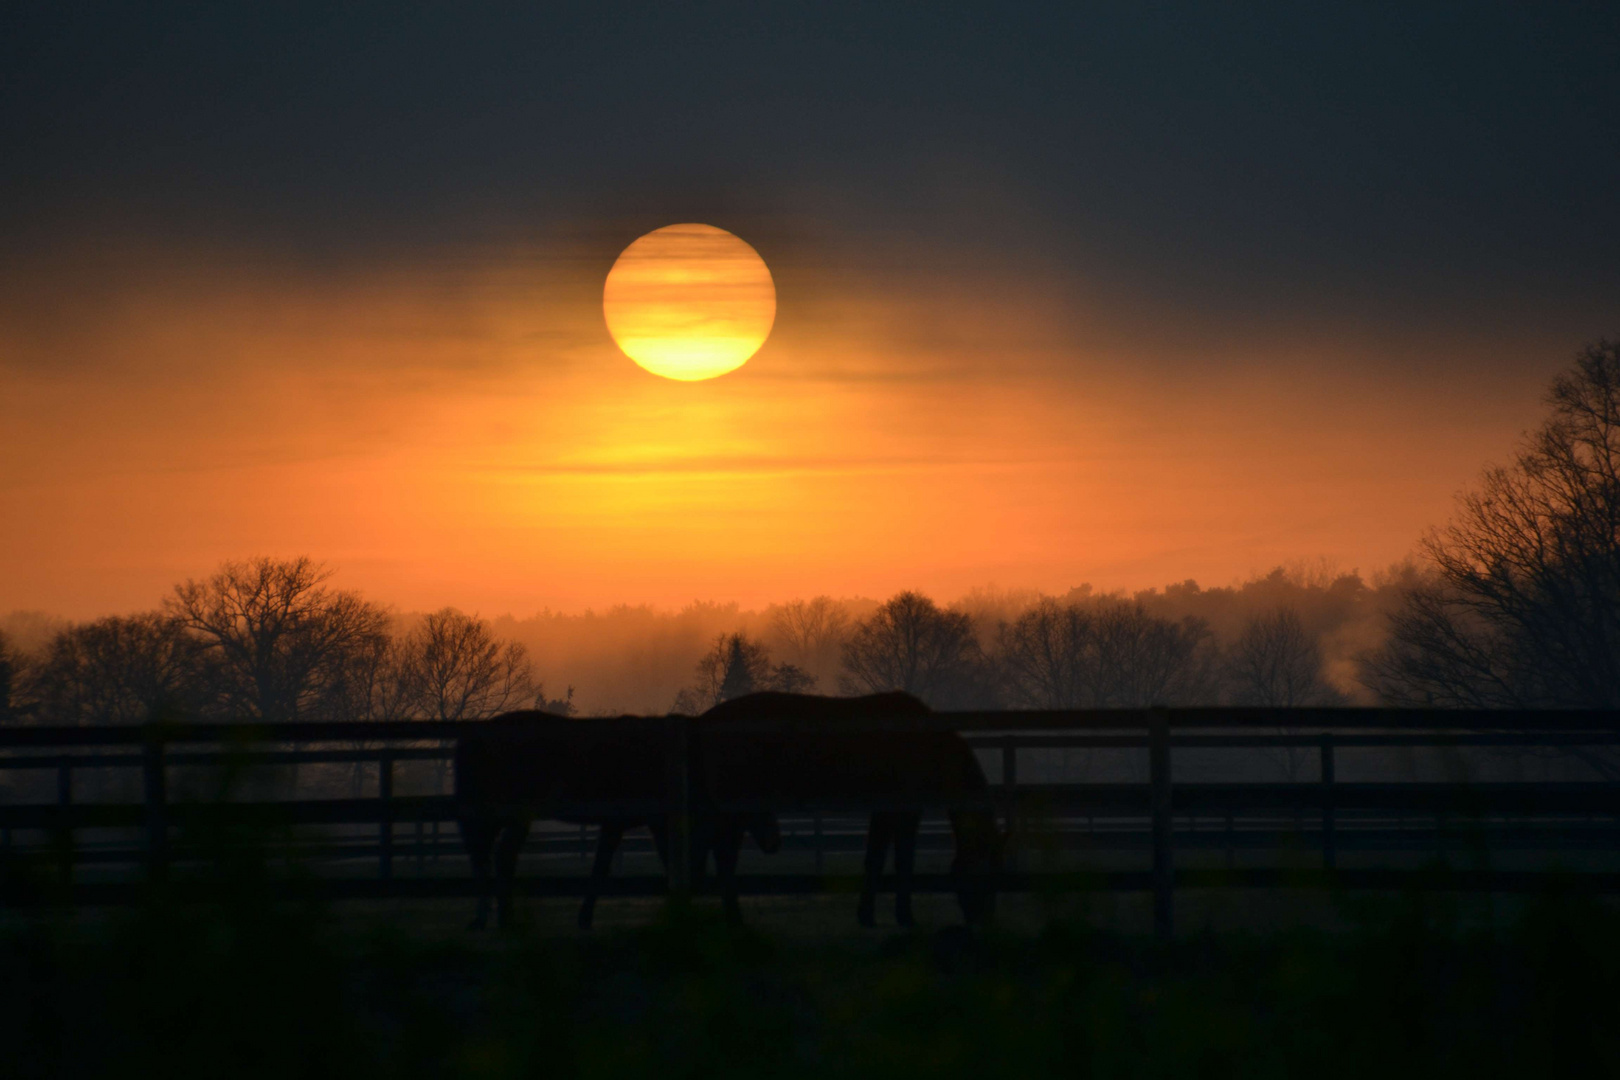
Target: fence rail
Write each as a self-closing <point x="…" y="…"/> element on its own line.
<point x="1158" y="814"/>
<point x="1583" y="723"/>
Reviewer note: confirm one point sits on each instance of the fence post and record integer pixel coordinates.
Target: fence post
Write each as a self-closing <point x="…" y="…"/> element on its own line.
<point x="1329" y="840"/>
<point x="156" y="799"/>
<point x="815" y="825"/>
<point x="385" y="827"/>
<point x="64" y="832"/>
<point x="1009" y="788"/>
<point x="678" y="781"/>
<point x="1164" y="870"/>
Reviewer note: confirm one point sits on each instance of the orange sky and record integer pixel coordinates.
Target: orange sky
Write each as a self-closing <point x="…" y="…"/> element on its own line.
<point x="457" y="428"/>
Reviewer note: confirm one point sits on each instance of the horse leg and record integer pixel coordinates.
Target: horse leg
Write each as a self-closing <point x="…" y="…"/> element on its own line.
<point x="697" y="851"/>
<point x="728" y="837"/>
<point x="608" y="836"/>
<point x="878" y="833"/>
<point x="507" y="845"/>
<point x="478" y="834"/>
<point x="905" y="856"/>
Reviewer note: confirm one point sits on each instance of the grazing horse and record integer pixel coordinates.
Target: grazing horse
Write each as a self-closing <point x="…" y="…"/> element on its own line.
<point x="810" y="750"/>
<point x="526" y="765"/>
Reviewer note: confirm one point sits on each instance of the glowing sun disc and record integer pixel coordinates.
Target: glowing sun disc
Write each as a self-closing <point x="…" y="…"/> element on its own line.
<point x="689" y="302"/>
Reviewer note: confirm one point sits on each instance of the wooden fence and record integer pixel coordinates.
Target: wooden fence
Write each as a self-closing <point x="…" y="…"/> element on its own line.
<point x="157" y="836"/>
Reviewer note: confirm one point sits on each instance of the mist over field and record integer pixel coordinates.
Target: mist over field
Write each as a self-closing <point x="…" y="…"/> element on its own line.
<point x="636" y="659"/>
<point x="639" y="658"/>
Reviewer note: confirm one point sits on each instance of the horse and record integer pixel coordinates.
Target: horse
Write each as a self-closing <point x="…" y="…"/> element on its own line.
<point x="810" y="749"/>
<point x="525" y="765"/>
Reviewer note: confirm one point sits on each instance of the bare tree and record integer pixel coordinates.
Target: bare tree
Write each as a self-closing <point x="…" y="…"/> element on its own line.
<point x="10" y="677"/>
<point x="120" y="670"/>
<point x="911" y="644"/>
<point x="453" y="668"/>
<point x="811" y="633"/>
<point x="379" y="685"/>
<point x="735" y="666"/>
<point x="1144" y="660"/>
<point x="281" y="644"/>
<point x="1049" y="656"/>
<point x="1103" y="653"/>
<point x="1275" y="662"/>
<point x="1522" y="606"/>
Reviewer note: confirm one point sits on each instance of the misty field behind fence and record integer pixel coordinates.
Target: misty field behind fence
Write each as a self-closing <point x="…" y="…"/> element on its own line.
<point x="1329" y="799"/>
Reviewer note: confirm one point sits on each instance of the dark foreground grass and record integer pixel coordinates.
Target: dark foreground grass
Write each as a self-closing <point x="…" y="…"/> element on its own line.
<point x="245" y="989"/>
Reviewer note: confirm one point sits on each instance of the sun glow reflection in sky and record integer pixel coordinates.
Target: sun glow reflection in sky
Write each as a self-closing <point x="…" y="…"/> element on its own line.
<point x="446" y="435"/>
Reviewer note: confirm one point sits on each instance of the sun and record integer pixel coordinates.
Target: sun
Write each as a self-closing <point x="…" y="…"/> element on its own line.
<point x="689" y="302"/>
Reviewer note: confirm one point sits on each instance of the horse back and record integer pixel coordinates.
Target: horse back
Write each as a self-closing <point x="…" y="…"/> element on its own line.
<point x="796" y="755"/>
<point x="539" y="765"/>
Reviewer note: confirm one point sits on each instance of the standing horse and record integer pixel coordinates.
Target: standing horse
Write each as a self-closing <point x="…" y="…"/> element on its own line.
<point x="612" y="772"/>
<point x="805" y="749"/>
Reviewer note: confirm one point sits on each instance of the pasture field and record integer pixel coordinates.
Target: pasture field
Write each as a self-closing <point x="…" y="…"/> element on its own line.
<point x="1278" y="985"/>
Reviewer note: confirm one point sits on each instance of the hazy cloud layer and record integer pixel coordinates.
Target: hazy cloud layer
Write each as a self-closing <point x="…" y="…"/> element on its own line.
<point x="1122" y="295"/>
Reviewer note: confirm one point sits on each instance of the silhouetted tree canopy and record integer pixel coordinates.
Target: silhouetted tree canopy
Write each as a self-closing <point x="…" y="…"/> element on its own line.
<point x="912" y="644"/>
<point x="121" y="670"/>
<point x="1522" y="607"/>
<point x="451" y="667"/>
<point x="8" y="677"/>
<point x="279" y="643"/>
<point x="1049" y="657"/>
<point x="266" y="639"/>
<point x="1103" y="653"/>
<point x="811" y="633"/>
<point x="1276" y="663"/>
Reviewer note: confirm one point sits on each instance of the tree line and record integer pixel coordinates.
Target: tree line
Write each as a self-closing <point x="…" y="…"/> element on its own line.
<point x="270" y="640"/>
<point x="1092" y="652"/>
<point x="1515" y="603"/>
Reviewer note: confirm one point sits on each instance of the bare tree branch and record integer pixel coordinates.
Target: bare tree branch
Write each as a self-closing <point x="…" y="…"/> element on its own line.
<point x="280" y="644"/>
<point x="1522" y="604"/>
<point x="911" y="644"/>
